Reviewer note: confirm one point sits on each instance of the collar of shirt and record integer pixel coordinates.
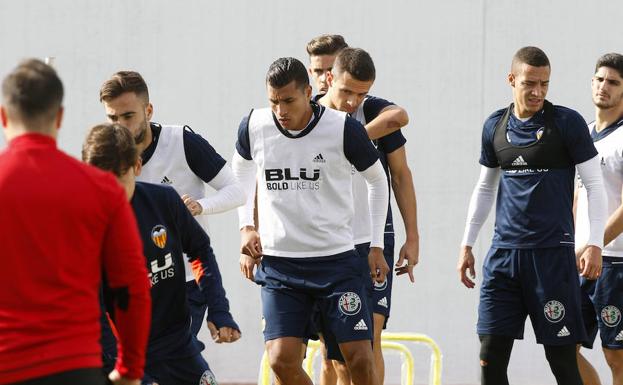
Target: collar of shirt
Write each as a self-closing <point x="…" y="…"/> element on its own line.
<point x="32" y="139"/>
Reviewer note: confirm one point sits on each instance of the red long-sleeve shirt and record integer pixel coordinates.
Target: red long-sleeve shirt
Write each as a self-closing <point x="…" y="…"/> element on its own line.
<point x="61" y="222"/>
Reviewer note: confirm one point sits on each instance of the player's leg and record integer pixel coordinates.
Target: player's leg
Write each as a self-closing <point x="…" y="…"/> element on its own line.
<point x="563" y="363"/>
<point x="360" y="362"/>
<point x="553" y="296"/>
<point x="495" y="353"/>
<point x="342" y="373"/>
<point x="379" y="362"/>
<point x="501" y="314"/>
<point x="328" y="376"/>
<point x="587" y="371"/>
<point x="381" y="305"/>
<point x="285" y="361"/>
<point x="614" y="358"/>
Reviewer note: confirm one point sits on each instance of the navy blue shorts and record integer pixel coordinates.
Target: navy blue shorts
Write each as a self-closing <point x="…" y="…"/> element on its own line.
<point x="602" y="301"/>
<point x="382" y="292"/>
<point x="292" y="287"/>
<point x="541" y="283"/>
<point x="193" y="370"/>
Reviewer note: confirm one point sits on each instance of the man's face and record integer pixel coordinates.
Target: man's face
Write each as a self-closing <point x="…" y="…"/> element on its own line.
<point x="319" y="66"/>
<point x="132" y="112"/>
<point x="607" y="87"/>
<point x="529" y="88"/>
<point x="290" y="104"/>
<point x="346" y="92"/>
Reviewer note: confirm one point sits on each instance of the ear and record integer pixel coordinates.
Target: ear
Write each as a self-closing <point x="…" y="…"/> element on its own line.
<point x="308" y="92"/>
<point x="511" y="79"/>
<point x="3" y="117"/>
<point x="149" y="111"/>
<point x="309" y="71"/>
<point x="330" y="78"/>
<point x="59" y="118"/>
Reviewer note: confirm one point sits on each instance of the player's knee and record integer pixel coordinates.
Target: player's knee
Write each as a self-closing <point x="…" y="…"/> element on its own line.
<point x="282" y="361"/>
<point x="340" y="369"/>
<point x="359" y="360"/>
<point x="494" y="348"/>
<point x="614" y="358"/>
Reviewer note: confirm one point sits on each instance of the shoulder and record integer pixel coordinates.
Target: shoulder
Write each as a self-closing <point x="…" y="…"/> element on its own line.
<point x="495" y="117"/>
<point x="160" y="192"/>
<point x="568" y="120"/>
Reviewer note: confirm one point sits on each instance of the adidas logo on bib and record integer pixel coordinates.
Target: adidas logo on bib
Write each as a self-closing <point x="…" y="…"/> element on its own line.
<point x="519" y="161"/>
<point x="319" y="159"/>
<point x="361" y="325"/>
<point x="564" y="332"/>
<point x="166" y="180"/>
<point x="619" y="336"/>
<point x="382" y="302"/>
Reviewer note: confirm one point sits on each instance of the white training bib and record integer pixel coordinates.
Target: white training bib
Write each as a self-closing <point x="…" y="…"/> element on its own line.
<point x="304" y="186"/>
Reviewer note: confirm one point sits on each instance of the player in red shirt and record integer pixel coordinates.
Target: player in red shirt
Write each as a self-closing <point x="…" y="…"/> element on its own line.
<point x="63" y="225"/>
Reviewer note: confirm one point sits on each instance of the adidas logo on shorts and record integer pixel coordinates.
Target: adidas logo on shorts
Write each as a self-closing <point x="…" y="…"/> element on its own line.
<point x="519" y="161"/>
<point x="361" y="325"/>
<point x="319" y="159"/>
<point x="564" y="332"/>
<point x="619" y="336"/>
<point x="382" y="302"/>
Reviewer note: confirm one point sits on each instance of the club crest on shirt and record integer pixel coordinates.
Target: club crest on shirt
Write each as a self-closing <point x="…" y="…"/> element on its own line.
<point x="611" y="316"/>
<point x="349" y="303"/>
<point x="554" y="311"/>
<point x="539" y="133"/>
<point x="159" y="236"/>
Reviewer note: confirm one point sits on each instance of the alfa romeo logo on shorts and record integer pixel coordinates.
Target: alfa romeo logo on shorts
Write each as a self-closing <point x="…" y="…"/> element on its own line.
<point x="207" y="378"/>
<point x="611" y="315"/>
<point x="554" y="311"/>
<point x="349" y="303"/>
<point x="378" y="286"/>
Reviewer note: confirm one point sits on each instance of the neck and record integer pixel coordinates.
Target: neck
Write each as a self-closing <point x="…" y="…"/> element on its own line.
<point x="305" y="119"/>
<point x="522" y="114"/>
<point x="325" y="100"/>
<point x="12" y="131"/>
<point x="605" y="117"/>
<point x="145" y="143"/>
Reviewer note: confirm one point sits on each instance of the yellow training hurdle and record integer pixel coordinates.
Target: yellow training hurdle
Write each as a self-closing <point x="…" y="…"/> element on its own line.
<point x="388" y="343"/>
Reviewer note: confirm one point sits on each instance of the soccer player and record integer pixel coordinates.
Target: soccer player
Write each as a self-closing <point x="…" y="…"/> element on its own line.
<point x="603" y="298"/>
<point x="176" y="156"/>
<point x="532" y="149"/>
<point x="169" y="232"/>
<point x="322" y="51"/>
<point x="350" y="80"/>
<point x="302" y="154"/>
<point x="52" y="263"/>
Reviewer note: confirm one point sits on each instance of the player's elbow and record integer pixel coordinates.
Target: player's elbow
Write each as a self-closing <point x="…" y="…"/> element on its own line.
<point x="401" y="177"/>
<point x="402" y="117"/>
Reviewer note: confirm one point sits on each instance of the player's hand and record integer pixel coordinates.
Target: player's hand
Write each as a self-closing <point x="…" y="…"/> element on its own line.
<point x="411" y="252"/>
<point x="116" y="379"/>
<point x="248" y="265"/>
<point x="224" y="334"/>
<point x="378" y="265"/>
<point x="590" y="262"/>
<point x="192" y="205"/>
<point x="466" y="262"/>
<point x="250" y="242"/>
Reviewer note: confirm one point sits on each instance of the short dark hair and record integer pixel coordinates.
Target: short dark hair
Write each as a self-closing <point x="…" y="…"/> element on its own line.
<point x="122" y="82"/>
<point x="110" y="147"/>
<point x="532" y="56"/>
<point x="611" y="60"/>
<point x="285" y="70"/>
<point x="356" y="62"/>
<point x="32" y="93"/>
<point x="326" y="45"/>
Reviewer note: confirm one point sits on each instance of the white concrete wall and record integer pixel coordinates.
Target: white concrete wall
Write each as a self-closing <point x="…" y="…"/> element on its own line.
<point x="444" y="61"/>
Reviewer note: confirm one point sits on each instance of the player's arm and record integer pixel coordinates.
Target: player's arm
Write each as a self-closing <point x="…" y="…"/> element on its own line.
<point x="196" y="245"/>
<point x="363" y="155"/>
<point x="390" y="119"/>
<point x="480" y="205"/>
<point x="244" y="169"/>
<point x="210" y="167"/>
<point x="124" y="266"/>
<point x="590" y="260"/>
<point x="402" y="184"/>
